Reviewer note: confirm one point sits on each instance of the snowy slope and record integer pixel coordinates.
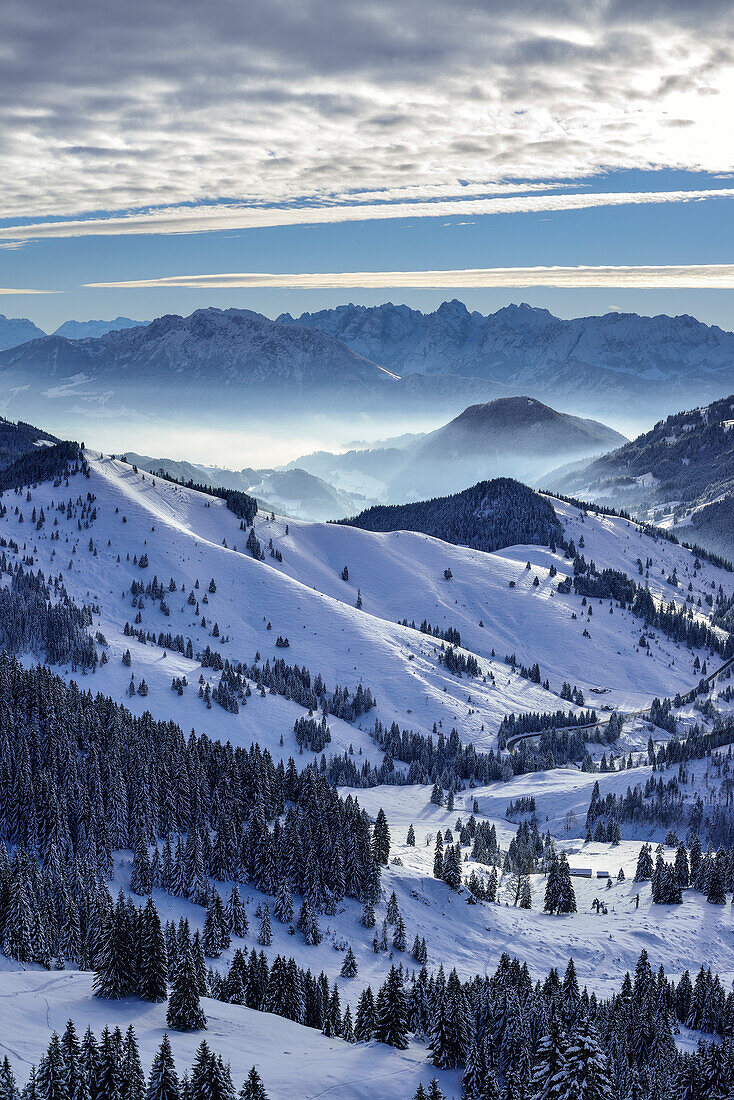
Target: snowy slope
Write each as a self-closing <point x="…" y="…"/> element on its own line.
<point x="399" y="575"/>
<point x="291" y="1059"/>
<point x="182" y="533"/>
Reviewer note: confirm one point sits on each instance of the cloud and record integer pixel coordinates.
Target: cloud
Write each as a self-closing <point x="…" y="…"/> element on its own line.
<point x="18" y="290"/>
<point x="108" y="106"/>
<point x="702" y="276"/>
<point x="227" y="216"/>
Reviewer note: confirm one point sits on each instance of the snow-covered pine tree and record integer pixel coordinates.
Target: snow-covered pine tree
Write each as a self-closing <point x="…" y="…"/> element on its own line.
<point x="184" y="1010"/>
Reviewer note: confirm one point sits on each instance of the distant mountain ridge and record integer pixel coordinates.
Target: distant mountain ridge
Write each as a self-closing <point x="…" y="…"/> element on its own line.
<point x="215" y="362"/>
<point x="520" y="345"/>
<point x="509" y="437"/>
<point x="374" y="362"/>
<point x="81" y="330"/>
<point x="17" y="330"/>
<point x="293" y="492"/>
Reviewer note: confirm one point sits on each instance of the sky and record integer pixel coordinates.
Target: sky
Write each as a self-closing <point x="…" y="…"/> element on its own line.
<point x="161" y="156"/>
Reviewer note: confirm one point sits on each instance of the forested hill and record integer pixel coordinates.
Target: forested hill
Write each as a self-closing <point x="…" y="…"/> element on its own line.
<point x="681" y="471"/>
<point x="19" y="439"/>
<point x="488" y="516"/>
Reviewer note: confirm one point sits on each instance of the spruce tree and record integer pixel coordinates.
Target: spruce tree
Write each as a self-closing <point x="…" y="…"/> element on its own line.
<point x="184" y="1010"/>
<point x="548" y="1077"/>
<point x="52" y="1077"/>
<point x="366" y="1020"/>
<point x="163" y="1081"/>
<point x="349" y="966"/>
<point x="391" y="1011"/>
<point x="381" y="839"/>
<point x="585" y="1074"/>
<point x="253" y="1088"/>
<point x="153" y="967"/>
<point x="132" y="1077"/>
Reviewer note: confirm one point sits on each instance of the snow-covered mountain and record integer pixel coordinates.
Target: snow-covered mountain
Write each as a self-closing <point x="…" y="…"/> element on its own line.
<point x="188" y="535"/>
<point x="227" y="365"/>
<point x="330" y="601"/>
<point x="591" y="359"/>
<point x="680" y="473"/>
<point x="81" y="330"/>
<point x="226" y="347"/>
<point x="17" y="330"/>
<point x="516" y="437"/>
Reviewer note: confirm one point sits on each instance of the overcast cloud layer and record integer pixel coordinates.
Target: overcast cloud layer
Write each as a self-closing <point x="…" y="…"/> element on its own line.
<point x="117" y="106"/>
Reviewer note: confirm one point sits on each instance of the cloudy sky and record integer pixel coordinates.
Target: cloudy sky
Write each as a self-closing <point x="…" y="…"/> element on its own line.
<point x="160" y="155"/>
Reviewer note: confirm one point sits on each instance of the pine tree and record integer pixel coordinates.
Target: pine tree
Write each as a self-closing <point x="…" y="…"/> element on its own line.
<point x="283" y="907"/>
<point x="391" y="1011"/>
<point x="438" y="856"/>
<point x="349" y="966"/>
<point x="112" y="979"/>
<point x="51" y="1080"/>
<point x="184" y="1011"/>
<point x="153" y="969"/>
<point x="548" y="1079"/>
<point x="132" y="1077"/>
<point x="552" y="886"/>
<point x="253" y="1088"/>
<point x="566" y="894"/>
<point x="366" y="1021"/>
<point x="265" y="935"/>
<point x="381" y="839"/>
<point x="163" y="1081"/>
<point x="8" y="1084"/>
<point x="645" y="868"/>
<point x="236" y="914"/>
<point x="585" y="1074"/>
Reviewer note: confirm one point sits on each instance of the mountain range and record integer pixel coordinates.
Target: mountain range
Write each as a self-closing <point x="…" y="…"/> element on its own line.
<point x="619" y="356"/>
<point x="370" y="360"/>
<point x="293" y="492"/>
<point x="218" y="361"/>
<point x="19" y="330"/>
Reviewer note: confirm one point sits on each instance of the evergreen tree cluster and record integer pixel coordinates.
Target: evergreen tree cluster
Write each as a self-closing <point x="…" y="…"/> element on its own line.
<point x="449" y="634"/>
<point x="542" y="721"/>
<point x="665" y="802"/>
<point x="459" y="663"/>
<point x="678" y="623"/>
<point x="109" y="1068"/>
<point x="312" y="735"/>
<point x="81" y="777"/>
<point x="489" y="516"/>
<point x="36" y="615"/>
<point x="57" y="463"/>
<point x="550" y="1040"/>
